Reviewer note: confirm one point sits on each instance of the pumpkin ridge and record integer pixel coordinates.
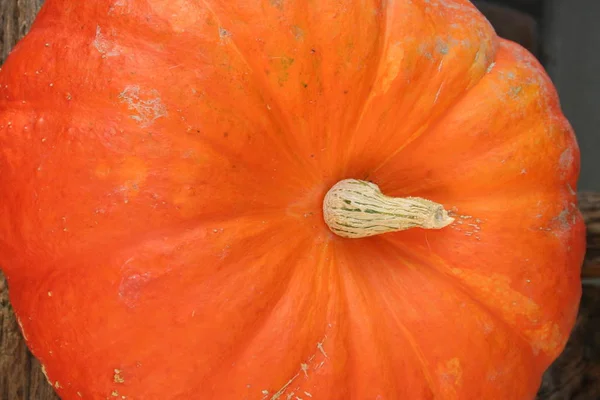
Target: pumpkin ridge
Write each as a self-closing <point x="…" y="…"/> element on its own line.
<point x="350" y="279"/>
<point x="383" y="135"/>
<point x="304" y="313"/>
<point x="375" y="66"/>
<point x="430" y="124"/>
<point x="239" y="349"/>
<point x="157" y="281"/>
<point x="441" y="270"/>
<point x="387" y="303"/>
<point x="518" y="141"/>
<point x="416" y="350"/>
<point x="274" y="109"/>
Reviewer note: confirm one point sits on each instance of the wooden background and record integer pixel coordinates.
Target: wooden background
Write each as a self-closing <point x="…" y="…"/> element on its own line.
<point x="574" y="376"/>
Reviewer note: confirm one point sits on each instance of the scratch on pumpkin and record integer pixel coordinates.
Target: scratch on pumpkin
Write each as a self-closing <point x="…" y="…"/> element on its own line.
<point x="304" y="368"/>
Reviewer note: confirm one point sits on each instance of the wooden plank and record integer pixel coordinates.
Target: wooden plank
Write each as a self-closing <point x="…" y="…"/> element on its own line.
<point x="573" y="376"/>
<point x="15" y="19"/>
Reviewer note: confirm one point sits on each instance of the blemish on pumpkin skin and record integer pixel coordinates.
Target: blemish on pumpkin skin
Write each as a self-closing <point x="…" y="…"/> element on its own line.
<point x="566" y="160"/>
<point x="303" y="370"/>
<point x="102" y="171"/>
<point x="564" y="220"/>
<point x="284" y="64"/>
<point x="277" y="4"/>
<point x="117" y="376"/>
<point x="441" y="47"/>
<point x="224" y="33"/>
<point x="118" y="5"/>
<point x="147" y="105"/>
<point x="103" y="45"/>
<point x="549" y="339"/>
<point x="297" y="32"/>
<point x="450" y="376"/>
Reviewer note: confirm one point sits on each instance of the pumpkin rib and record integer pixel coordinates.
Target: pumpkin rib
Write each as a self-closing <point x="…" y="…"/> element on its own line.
<point x="532" y="320"/>
<point x="238" y="350"/>
<point x="302" y="347"/>
<point x="376" y="65"/>
<point x="429" y="125"/>
<point x="351" y="279"/>
<point x="115" y="337"/>
<point x="455" y="282"/>
<point x="416" y="349"/>
<point x="483" y="57"/>
<point x="496" y="142"/>
<point x="280" y="124"/>
<point x="406" y="254"/>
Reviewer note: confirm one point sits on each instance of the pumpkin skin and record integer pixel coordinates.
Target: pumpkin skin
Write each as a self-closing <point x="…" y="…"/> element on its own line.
<point x="163" y="169"/>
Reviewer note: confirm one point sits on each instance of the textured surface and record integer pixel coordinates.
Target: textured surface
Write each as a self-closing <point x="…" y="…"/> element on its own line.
<point x="19" y="357"/>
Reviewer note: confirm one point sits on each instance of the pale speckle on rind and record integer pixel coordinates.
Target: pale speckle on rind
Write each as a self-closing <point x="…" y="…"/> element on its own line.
<point x="497" y="288"/>
<point x="117" y="376"/>
<point x="120" y="6"/>
<point x="297" y="32"/>
<point x="277" y="4"/>
<point x="566" y="160"/>
<point x="548" y="338"/>
<point x="450" y="376"/>
<point x="103" y="45"/>
<point x="224" y="33"/>
<point x="147" y="105"/>
<point x="564" y="220"/>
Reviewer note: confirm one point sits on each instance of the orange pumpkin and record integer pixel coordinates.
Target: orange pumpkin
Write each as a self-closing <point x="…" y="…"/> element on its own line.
<point x="163" y="171"/>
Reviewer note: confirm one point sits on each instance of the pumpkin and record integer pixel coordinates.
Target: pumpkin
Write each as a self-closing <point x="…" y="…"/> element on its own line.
<point x="281" y="199"/>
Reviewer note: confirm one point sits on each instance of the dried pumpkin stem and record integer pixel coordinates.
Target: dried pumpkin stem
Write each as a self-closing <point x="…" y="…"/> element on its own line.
<point x="357" y="209"/>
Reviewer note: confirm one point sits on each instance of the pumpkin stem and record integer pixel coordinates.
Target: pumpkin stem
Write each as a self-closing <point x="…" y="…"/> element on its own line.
<point x="357" y="209"/>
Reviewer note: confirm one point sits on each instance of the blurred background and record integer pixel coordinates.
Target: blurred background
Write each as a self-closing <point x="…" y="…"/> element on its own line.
<point x="565" y="36"/>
